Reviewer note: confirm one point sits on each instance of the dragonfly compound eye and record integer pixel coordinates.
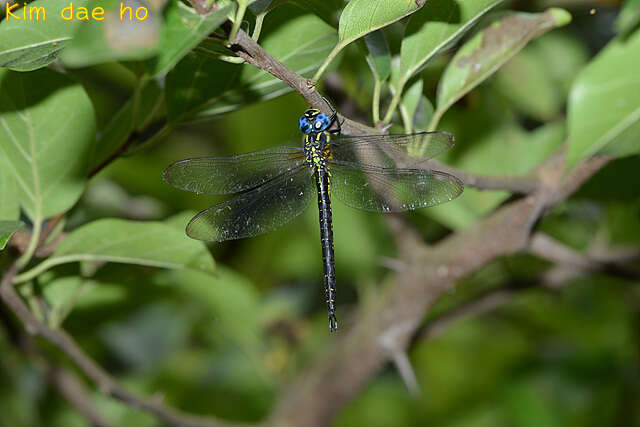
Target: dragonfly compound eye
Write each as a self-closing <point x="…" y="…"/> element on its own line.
<point x="304" y="125"/>
<point x="322" y="122"/>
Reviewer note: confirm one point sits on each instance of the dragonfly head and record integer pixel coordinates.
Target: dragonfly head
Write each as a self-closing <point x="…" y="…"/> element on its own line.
<point x="313" y="121"/>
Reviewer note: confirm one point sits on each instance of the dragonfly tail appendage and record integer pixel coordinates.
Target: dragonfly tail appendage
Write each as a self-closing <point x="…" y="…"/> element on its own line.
<point x="333" y="323"/>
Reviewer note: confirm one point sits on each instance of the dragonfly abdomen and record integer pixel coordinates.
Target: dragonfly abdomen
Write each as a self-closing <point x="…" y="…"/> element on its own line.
<point x="326" y="235"/>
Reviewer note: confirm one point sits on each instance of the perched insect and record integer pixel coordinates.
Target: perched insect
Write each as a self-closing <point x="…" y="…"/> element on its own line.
<point x="370" y="172"/>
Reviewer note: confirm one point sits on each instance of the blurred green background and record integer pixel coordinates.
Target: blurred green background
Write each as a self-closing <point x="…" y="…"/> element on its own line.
<point x="227" y="344"/>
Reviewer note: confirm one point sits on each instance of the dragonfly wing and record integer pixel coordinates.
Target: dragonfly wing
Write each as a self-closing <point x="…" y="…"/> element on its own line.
<point x="257" y="211"/>
<point x="390" y="151"/>
<point x="226" y="175"/>
<point x="376" y="189"/>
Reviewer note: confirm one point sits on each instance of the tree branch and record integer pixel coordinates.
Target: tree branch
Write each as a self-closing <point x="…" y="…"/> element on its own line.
<point x="76" y="393"/>
<point x="60" y="378"/>
<point x="107" y="384"/>
<point x="610" y="262"/>
<point x="570" y="265"/>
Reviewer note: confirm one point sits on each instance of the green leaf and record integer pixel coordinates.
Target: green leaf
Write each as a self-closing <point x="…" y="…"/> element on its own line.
<point x="9" y="204"/>
<point x="67" y="293"/>
<point x="227" y="295"/>
<point x="604" y="105"/>
<point x="47" y="129"/>
<point x="361" y="17"/>
<point x="115" y="39"/>
<point x="527" y="82"/>
<point x="130" y="242"/>
<point x="379" y="57"/>
<point x="261" y="6"/>
<point x="27" y="46"/>
<point x="491" y="48"/>
<point x="563" y="54"/>
<point x="184" y="29"/>
<point x="325" y="9"/>
<point x="629" y="17"/>
<point x="7" y="228"/>
<point x="201" y="86"/>
<point x="415" y="108"/>
<point x="126" y="120"/>
<point x="434" y="28"/>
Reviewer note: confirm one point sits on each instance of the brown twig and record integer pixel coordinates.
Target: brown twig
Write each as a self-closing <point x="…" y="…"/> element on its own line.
<point x="569" y="265"/>
<point x="72" y="389"/>
<point x="614" y="263"/>
<point x="65" y="381"/>
<point x="107" y="384"/>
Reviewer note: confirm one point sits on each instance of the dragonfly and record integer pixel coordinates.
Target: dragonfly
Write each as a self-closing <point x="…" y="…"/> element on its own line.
<point x="374" y="173"/>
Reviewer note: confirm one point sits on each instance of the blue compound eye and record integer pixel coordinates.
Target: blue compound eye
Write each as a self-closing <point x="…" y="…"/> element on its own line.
<point x="322" y="122"/>
<point x="304" y="125"/>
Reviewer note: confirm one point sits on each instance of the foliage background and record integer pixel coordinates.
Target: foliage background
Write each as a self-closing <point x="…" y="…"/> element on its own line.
<point x="226" y="340"/>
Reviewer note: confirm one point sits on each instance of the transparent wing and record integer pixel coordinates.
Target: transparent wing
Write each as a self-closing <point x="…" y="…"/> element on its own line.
<point x="257" y="211"/>
<point x="378" y="189"/>
<point x="226" y="175"/>
<point x="390" y="150"/>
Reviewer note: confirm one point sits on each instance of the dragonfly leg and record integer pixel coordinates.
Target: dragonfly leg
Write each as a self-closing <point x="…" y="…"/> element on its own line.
<point x="333" y="109"/>
<point x="333" y="117"/>
<point x="338" y="129"/>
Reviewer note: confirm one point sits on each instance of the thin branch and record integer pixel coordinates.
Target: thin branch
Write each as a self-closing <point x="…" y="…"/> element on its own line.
<point x="72" y="389"/>
<point x="133" y="137"/>
<point x="570" y="265"/>
<point x="65" y="381"/>
<point x="611" y="263"/>
<point x="480" y="305"/>
<point x="389" y="343"/>
<point x="107" y="384"/>
<point x="515" y="184"/>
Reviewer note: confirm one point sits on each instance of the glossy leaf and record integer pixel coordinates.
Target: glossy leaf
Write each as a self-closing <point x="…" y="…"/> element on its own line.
<point x="563" y="56"/>
<point x="629" y="17"/>
<point x="202" y="86"/>
<point x="379" y="57"/>
<point x="132" y="242"/>
<point x="261" y="6"/>
<point x="227" y="295"/>
<point x="126" y="120"/>
<point x="327" y="10"/>
<point x="604" y="105"/>
<point x="491" y="48"/>
<point x="436" y="27"/>
<point x="183" y="30"/>
<point x="528" y="83"/>
<point x="27" y="46"/>
<point x="415" y="108"/>
<point x="115" y="39"/>
<point x="47" y="129"/>
<point x="63" y="294"/>
<point x="361" y="17"/>
<point x="7" y="228"/>
<point x="9" y="204"/>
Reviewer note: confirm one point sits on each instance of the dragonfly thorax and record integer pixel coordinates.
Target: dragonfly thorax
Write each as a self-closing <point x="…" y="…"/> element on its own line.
<point x="316" y="148"/>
